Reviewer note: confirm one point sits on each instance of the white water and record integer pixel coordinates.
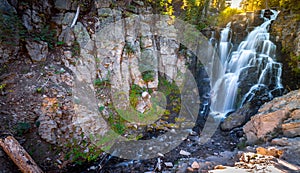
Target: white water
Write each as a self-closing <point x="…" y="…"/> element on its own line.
<point x="257" y="51"/>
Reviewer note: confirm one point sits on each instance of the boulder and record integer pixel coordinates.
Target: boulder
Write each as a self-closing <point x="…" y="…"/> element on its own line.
<point x="290" y="147"/>
<point x="238" y="118"/>
<point x="278" y="117"/>
<point x="38" y="50"/>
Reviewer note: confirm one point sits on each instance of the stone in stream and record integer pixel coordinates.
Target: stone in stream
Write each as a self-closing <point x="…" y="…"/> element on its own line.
<point x="185" y="153"/>
<point x="169" y="164"/>
<point x="238" y="118"/>
<point x="195" y="165"/>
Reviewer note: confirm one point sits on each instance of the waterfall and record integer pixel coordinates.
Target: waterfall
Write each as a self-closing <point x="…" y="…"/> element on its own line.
<point x="254" y="61"/>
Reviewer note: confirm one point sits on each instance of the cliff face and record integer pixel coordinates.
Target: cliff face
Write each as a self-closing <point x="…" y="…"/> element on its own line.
<point x="62" y="50"/>
<point x="285" y="32"/>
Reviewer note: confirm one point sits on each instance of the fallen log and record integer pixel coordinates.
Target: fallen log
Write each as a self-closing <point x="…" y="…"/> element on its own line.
<point x="18" y="154"/>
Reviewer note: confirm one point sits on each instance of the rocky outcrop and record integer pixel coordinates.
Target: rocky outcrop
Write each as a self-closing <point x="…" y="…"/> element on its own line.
<point x="280" y="117"/>
<point x="277" y="124"/>
<point x="285" y="32"/>
<point x="97" y="45"/>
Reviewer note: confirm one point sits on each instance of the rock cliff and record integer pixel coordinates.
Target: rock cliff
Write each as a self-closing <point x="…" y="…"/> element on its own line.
<point x="278" y="123"/>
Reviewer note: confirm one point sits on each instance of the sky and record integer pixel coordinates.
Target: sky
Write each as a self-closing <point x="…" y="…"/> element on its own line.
<point x="235" y="3"/>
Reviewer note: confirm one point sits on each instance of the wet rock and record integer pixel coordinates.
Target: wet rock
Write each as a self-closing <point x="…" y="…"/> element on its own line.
<point x="238" y="118"/>
<point x="268" y="13"/>
<point x="38" y="50"/>
<point x="169" y="164"/>
<point x="185" y="153"/>
<point x="195" y="165"/>
<point x="281" y="115"/>
<point x="258" y="95"/>
<point x="182" y="168"/>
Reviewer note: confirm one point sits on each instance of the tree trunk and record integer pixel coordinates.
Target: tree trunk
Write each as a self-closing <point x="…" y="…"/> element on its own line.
<point x="18" y="154"/>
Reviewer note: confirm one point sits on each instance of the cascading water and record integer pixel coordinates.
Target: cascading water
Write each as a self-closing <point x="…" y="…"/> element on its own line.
<point x="253" y="56"/>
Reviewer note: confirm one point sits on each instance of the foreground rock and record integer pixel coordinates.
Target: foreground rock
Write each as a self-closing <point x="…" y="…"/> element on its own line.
<point x="257" y="162"/>
<point x="278" y="124"/>
<point x="280" y="116"/>
<point x="238" y="118"/>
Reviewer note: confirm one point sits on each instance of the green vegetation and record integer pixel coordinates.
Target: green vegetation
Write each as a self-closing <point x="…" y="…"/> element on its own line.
<point x="39" y="90"/>
<point x="196" y="11"/>
<point x="86" y="150"/>
<point x="251" y="5"/>
<point x="2" y="86"/>
<point x="167" y="87"/>
<point x="117" y="123"/>
<point x="134" y="94"/>
<point x="242" y="145"/>
<point x="193" y="11"/>
<point x="47" y="35"/>
<point x="101" y="83"/>
<point x="11" y="29"/>
<point x="75" y="49"/>
<point x="129" y="49"/>
<point x="226" y="15"/>
<point x="148" y="76"/>
<point x="294" y="63"/>
<point x="291" y="63"/>
<point x="77" y="150"/>
<point x="22" y="128"/>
